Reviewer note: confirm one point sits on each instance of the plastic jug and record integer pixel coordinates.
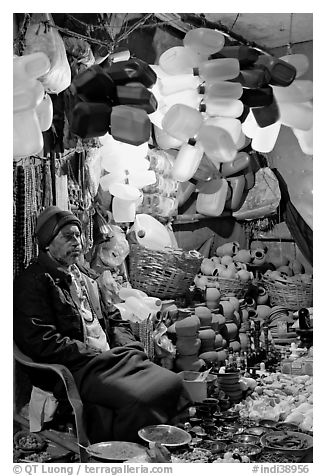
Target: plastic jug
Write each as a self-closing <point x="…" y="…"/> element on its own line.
<point x="253" y="78"/>
<point x="164" y="140"/>
<point x="218" y="69"/>
<point x="123" y="211"/>
<point x="182" y="122"/>
<point x="222" y="107"/>
<point x="296" y="115"/>
<point x="130" y="124"/>
<point x="94" y="85"/>
<point x="44" y="112"/>
<point x="150" y="232"/>
<point x="257" y="97"/>
<point x="173" y="84"/>
<point x="299" y="61"/>
<point x="244" y="54"/>
<point x="124" y="191"/>
<point x="124" y="293"/>
<point x="153" y="303"/>
<point x="119" y="155"/>
<point x="213" y="204"/>
<point x="178" y="60"/>
<point x="250" y="126"/>
<point x="237" y="185"/>
<point x="136" y="94"/>
<point x="299" y="91"/>
<point x="217" y="143"/>
<point x="189" y="97"/>
<point x="241" y="161"/>
<point x="204" y="41"/>
<point x="266" y="115"/>
<point x="138" y="307"/>
<point x="305" y="139"/>
<point x="187" y="161"/>
<point x="230" y="124"/>
<point x="90" y="119"/>
<point x="220" y="90"/>
<point x="142" y="179"/>
<point x="134" y="69"/>
<point x="28" y="94"/>
<point x="265" y="137"/>
<point x="282" y="73"/>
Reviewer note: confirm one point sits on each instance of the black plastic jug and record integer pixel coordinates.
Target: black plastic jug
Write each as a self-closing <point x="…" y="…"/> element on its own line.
<point x="90" y="119"/>
<point x="130" y="124"/>
<point x="94" y="85"/>
<point x="134" y="69"/>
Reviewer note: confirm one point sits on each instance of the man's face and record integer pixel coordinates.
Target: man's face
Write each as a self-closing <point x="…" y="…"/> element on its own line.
<point x="66" y="247"/>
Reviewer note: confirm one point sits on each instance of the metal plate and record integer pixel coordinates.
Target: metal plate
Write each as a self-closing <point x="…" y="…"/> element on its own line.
<point x="165" y="434"/>
<point x="115" y="450"/>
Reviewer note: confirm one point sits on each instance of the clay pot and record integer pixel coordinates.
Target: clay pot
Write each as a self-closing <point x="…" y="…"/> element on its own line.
<point x="230" y="249"/>
<point x="258" y="257"/>
<point x="244" y="275"/>
<point x="227" y="309"/>
<point x="187" y="327"/>
<point x="234" y="300"/>
<point x="218" y="341"/>
<point x="204" y="315"/>
<point x="226" y="260"/>
<point x="263" y="311"/>
<point x="262" y="295"/>
<point x="215" y="323"/>
<point x="285" y="270"/>
<point x="211" y="304"/>
<point x="209" y="356"/>
<point x="220" y="317"/>
<point x="188" y="345"/>
<point x="207" y="337"/>
<point x="189" y="362"/>
<point x="244" y="341"/>
<point x="235" y="345"/>
<point x="212" y="294"/>
<point x="243" y="256"/>
<point x="232" y="329"/>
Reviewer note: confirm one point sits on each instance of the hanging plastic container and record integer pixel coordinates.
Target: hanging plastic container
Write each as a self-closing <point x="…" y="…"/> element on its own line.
<point x="299" y="91"/>
<point x="108" y="179"/>
<point x="222" y="107"/>
<point x="94" y="85"/>
<point x="204" y="41"/>
<point x="213" y="204"/>
<point x="130" y="125"/>
<point x="253" y="78"/>
<point x="124" y="191"/>
<point x="187" y="161"/>
<point x="182" y="122"/>
<point x="297" y="115"/>
<point x="27" y="95"/>
<point x="116" y="155"/>
<point x="124" y="293"/>
<point x="237" y="185"/>
<point x="220" y="90"/>
<point x="230" y="124"/>
<point x="136" y="94"/>
<point x="281" y="72"/>
<point x="142" y="179"/>
<point x="123" y="211"/>
<point x="178" y="60"/>
<point x="266" y="115"/>
<point x="30" y="66"/>
<point x="250" y="126"/>
<point x="153" y="303"/>
<point x="135" y="69"/>
<point x="44" y="112"/>
<point x="188" y="97"/>
<point x="90" y="119"/>
<point x="164" y="140"/>
<point x="27" y="134"/>
<point x="265" y="138"/>
<point x="257" y="97"/>
<point x="150" y="232"/>
<point x="217" y="143"/>
<point x="241" y="161"/>
<point x="218" y="69"/>
<point x="172" y="84"/>
<point x="244" y="54"/>
<point x="299" y="61"/>
<point x="242" y="142"/>
<point x="305" y="139"/>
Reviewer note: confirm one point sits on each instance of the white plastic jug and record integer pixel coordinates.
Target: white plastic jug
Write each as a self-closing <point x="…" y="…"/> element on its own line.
<point x="151" y="233"/>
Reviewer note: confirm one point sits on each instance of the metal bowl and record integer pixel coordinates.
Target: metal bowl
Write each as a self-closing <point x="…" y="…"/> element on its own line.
<point x="287" y="441"/>
<point x="166" y="435"/>
<point x="258" y="430"/>
<point x="245" y="438"/>
<point x="245" y="449"/>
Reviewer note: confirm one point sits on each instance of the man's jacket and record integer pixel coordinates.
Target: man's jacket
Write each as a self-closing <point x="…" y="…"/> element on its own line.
<point x="47" y="323"/>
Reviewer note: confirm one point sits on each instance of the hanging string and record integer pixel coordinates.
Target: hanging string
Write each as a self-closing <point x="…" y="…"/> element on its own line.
<point x="289" y="45"/>
<point x="235" y="21"/>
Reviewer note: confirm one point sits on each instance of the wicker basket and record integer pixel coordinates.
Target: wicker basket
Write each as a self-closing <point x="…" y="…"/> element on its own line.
<point x="163" y="274"/>
<point x="293" y="296"/>
<point x="233" y="286"/>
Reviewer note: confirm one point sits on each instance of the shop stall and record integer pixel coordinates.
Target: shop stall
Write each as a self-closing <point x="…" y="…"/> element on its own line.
<point x="188" y="164"/>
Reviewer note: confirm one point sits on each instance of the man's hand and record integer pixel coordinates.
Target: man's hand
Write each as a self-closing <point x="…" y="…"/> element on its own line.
<point x="158" y="453"/>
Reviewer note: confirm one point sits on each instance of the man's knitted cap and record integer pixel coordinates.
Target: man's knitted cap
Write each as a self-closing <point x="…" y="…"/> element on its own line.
<point x="50" y="222"/>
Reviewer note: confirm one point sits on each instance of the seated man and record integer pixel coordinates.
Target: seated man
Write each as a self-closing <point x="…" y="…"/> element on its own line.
<point x="59" y="318"/>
